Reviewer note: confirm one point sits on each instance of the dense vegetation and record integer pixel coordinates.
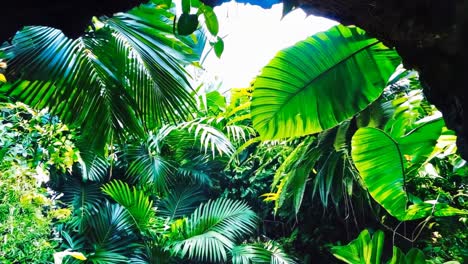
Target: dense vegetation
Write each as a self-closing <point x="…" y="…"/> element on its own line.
<point x="333" y="154"/>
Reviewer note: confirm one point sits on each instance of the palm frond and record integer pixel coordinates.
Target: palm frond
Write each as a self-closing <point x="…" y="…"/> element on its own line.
<point x="260" y="253"/>
<point x="110" y="233"/>
<point x="147" y="165"/>
<point x="155" y="252"/>
<point x="208" y="137"/>
<point x="181" y="201"/>
<point x="212" y="230"/>
<point x="113" y="82"/>
<point x="72" y="241"/>
<point x="290" y="178"/>
<point x="94" y="165"/>
<point x="239" y="133"/>
<point x="158" y="57"/>
<point x="85" y="199"/>
<point x="135" y="201"/>
<point x="197" y="168"/>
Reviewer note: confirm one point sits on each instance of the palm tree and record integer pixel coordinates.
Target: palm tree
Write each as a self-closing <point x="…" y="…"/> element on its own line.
<point x="124" y="76"/>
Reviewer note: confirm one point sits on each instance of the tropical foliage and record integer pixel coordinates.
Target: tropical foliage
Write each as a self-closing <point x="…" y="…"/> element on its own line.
<point x="367" y="249"/>
<point x="32" y="143"/>
<point x="92" y="80"/>
<point x="333" y="133"/>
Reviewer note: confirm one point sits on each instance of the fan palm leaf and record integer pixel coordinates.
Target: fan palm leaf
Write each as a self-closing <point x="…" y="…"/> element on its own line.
<point x="260" y="253"/>
<point x="117" y="80"/>
<point x="147" y="162"/>
<point x="180" y="202"/>
<point x="110" y="233"/>
<point x="208" y="137"/>
<point x="85" y="199"/>
<point x="135" y="201"/>
<point x="94" y="166"/>
<point x="212" y="230"/>
<point x="197" y="168"/>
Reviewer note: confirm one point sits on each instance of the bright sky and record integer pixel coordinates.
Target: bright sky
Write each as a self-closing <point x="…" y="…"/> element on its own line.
<point x="253" y="37"/>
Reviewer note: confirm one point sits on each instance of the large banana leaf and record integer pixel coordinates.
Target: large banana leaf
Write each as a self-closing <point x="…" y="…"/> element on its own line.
<point x="419" y="143"/>
<point x="320" y="82"/>
<point x="113" y="81"/>
<point x="379" y="159"/>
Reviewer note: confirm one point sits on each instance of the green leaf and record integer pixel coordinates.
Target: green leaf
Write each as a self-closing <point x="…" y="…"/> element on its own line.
<point x="180" y="202"/>
<point x="108" y="232"/>
<point x="421" y="210"/>
<point x="185" y="6"/>
<point x="419" y="143"/>
<point x="215" y="99"/>
<point x="291" y="177"/>
<point x="218" y="47"/>
<point x="415" y="256"/>
<point x="367" y="250"/>
<point x="165" y="3"/>
<point x="261" y="253"/>
<point x="187" y="24"/>
<point x="196" y="3"/>
<point x="94" y="166"/>
<point x="379" y="161"/>
<point x="320" y="82"/>
<point x="211" y="231"/>
<point x="398" y="257"/>
<point x="211" y="20"/>
<point x="84" y="198"/>
<point x="135" y="201"/>
<point x="112" y="83"/>
<point x="209" y="137"/>
<point x="146" y="164"/>
<point x="362" y="250"/>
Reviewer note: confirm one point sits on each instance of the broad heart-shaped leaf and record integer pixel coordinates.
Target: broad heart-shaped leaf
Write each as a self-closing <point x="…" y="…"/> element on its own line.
<point x="379" y="161"/>
<point x="419" y="143"/>
<point x="320" y="82"/>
